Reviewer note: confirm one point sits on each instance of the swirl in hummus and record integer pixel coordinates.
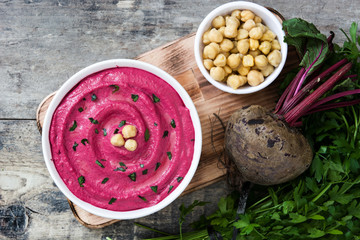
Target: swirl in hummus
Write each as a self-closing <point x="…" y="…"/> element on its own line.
<point x="112" y="177"/>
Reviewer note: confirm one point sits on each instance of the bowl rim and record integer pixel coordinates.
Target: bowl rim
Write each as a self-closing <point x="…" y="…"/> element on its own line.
<point x="68" y="86"/>
<point x="227" y="8"/>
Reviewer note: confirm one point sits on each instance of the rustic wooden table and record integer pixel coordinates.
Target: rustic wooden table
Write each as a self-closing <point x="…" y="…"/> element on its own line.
<point x="42" y="43"/>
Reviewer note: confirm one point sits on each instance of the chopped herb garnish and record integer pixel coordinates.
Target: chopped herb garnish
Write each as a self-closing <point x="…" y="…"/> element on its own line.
<point x="80" y="109"/>
<point x="170" y="188"/>
<point x="172" y="123"/>
<point x="155" y="98"/>
<point x="112" y="200"/>
<point x="105" y="180"/>
<point x="96" y="131"/>
<point x="179" y="179"/>
<point x="157" y="165"/>
<point x="116" y="131"/>
<point x="122" y="164"/>
<point x="73" y="126"/>
<point x="141" y="165"/>
<point x="103" y="160"/>
<point x="144" y="172"/>
<point x="93" y="97"/>
<point x="147" y="135"/>
<point x="132" y="176"/>
<point x="84" y="99"/>
<point x="105" y="133"/>
<point x="75" y="145"/>
<point x="99" y="163"/>
<point x="116" y="88"/>
<point x="142" y="198"/>
<point x="155" y="124"/>
<point x="192" y="140"/>
<point x="81" y="181"/>
<point x="154" y="188"/>
<point x="122" y="123"/>
<point x="84" y="141"/>
<point x="93" y="121"/>
<point x="166" y="133"/>
<point x="169" y="155"/>
<point x="120" y="169"/>
<point x="134" y="97"/>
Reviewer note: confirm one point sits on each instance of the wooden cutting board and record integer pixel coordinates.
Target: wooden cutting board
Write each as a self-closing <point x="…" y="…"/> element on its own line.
<point x="177" y="59"/>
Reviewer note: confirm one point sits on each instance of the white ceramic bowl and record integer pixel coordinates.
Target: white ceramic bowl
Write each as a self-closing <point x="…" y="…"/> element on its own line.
<point x="68" y="85"/>
<point x="268" y="18"/>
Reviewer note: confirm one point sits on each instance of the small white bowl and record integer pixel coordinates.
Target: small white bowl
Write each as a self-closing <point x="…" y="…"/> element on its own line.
<point x="68" y="85"/>
<point x="268" y="18"/>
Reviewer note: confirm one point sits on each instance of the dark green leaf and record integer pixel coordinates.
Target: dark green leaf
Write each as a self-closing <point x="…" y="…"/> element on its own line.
<point x="157" y="165"/>
<point x="99" y="163"/>
<point x="116" y="88"/>
<point x="141" y="165"/>
<point x="81" y="181"/>
<point x="170" y="188"/>
<point x="73" y="126"/>
<point x="112" y="200"/>
<point x="93" y="97"/>
<point x="134" y="97"/>
<point x="105" y="180"/>
<point x="155" y="124"/>
<point x="169" y="155"/>
<point x="116" y="131"/>
<point x="142" y="198"/>
<point x="93" y="121"/>
<point x="132" y="176"/>
<point x="96" y="131"/>
<point x="80" y="109"/>
<point x="122" y="164"/>
<point x="154" y="188"/>
<point x="172" y="123"/>
<point x="122" y="123"/>
<point x="105" y="133"/>
<point x="155" y="98"/>
<point x="144" y="172"/>
<point x="120" y="169"/>
<point x="75" y="145"/>
<point x="84" y="141"/>
<point x="166" y="133"/>
<point x="353" y="31"/>
<point x="147" y="135"/>
<point x="179" y="179"/>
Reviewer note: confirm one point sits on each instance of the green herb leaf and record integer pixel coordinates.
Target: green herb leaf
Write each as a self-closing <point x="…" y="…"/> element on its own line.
<point x="122" y="164"/>
<point x="147" y="135"/>
<point x="120" y="169"/>
<point x="80" y="109"/>
<point x="74" y="146"/>
<point x="99" y="163"/>
<point x="116" y="131"/>
<point x="105" y="180"/>
<point x="84" y="141"/>
<point x="93" y="97"/>
<point x="96" y="131"/>
<point x="155" y="124"/>
<point x="157" y="165"/>
<point x="93" y="121"/>
<point x="141" y="165"/>
<point x="169" y="155"/>
<point x="81" y="181"/>
<point x="155" y="98"/>
<point x="104" y="160"/>
<point x="134" y="97"/>
<point x="179" y="179"/>
<point x="73" y="126"/>
<point x="84" y="99"/>
<point x="112" y="200"/>
<point x="122" y="123"/>
<point x="172" y="123"/>
<point x="144" y="172"/>
<point x="170" y="188"/>
<point x="166" y="133"/>
<point x="105" y="133"/>
<point x="132" y="176"/>
<point x="116" y="88"/>
<point x="142" y="198"/>
<point x="154" y="188"/>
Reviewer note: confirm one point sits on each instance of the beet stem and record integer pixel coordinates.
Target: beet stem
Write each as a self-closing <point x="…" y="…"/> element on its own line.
<point x="332" y="106"/>
<point x="333" y="97"/>
<point x="293" y="84"/>
<point x="305" y="104"/>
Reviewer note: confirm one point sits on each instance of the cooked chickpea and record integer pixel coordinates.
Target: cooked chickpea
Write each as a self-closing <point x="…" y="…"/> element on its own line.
<point x="130" y="145"/>
<point x="210" y="51"/>
<point x="220" y="60"/>
<point x="248" y="61"/>
<point x="236" y="81"/>
<point x="216" y="46"/>
<point x="217" y="73"/>
<point x="246" y="15"/>
<point x="227" y="70"/>
<point x="215" y="36"/>
<point x="249" y="24"/>
<point x="226" y="45"/>
<point x="230" y="32"/>
<point x="274" y="58"/>
<point x="234" y="50"/>
<point x="117" y="140"/>
<point x="129" y="131"/>
<point x="265" y="47"/>
<point x="205" y="38"/>
<point x="257" y="19"/>
<point x="234" y="60"/>
<point x="236" y="13"/>
<point x="208" y="64"/>
<point x="261" y="61"/>
<point x="242" y="34"/>
<point x="243" y="46"/>
<point x="226" y="54"/>
<point x="222" y="30"/>
<point x="275" y="45"/>
<point x="262" y="27"/>
<point x="243" y="70"/>
<point x="232" y="22"/>
<point x="268" y="36"/>
<point x="218" y="22"/>
<point x="255" y="53"/>
<point x="255" y="77"/>
<point x="253" y="44"/>
<point x="267" y="70"/>
<point x="256" y="33"/>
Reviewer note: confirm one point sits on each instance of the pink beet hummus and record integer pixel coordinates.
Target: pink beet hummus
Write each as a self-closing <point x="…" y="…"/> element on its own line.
<point x="112" y="177"/>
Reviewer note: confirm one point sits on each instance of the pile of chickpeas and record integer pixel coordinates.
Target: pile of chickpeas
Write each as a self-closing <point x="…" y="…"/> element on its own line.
<point x="240" y="49"/>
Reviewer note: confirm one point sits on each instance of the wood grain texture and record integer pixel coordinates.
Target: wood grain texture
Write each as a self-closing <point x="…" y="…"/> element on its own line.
<point x="44" y="42"/>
